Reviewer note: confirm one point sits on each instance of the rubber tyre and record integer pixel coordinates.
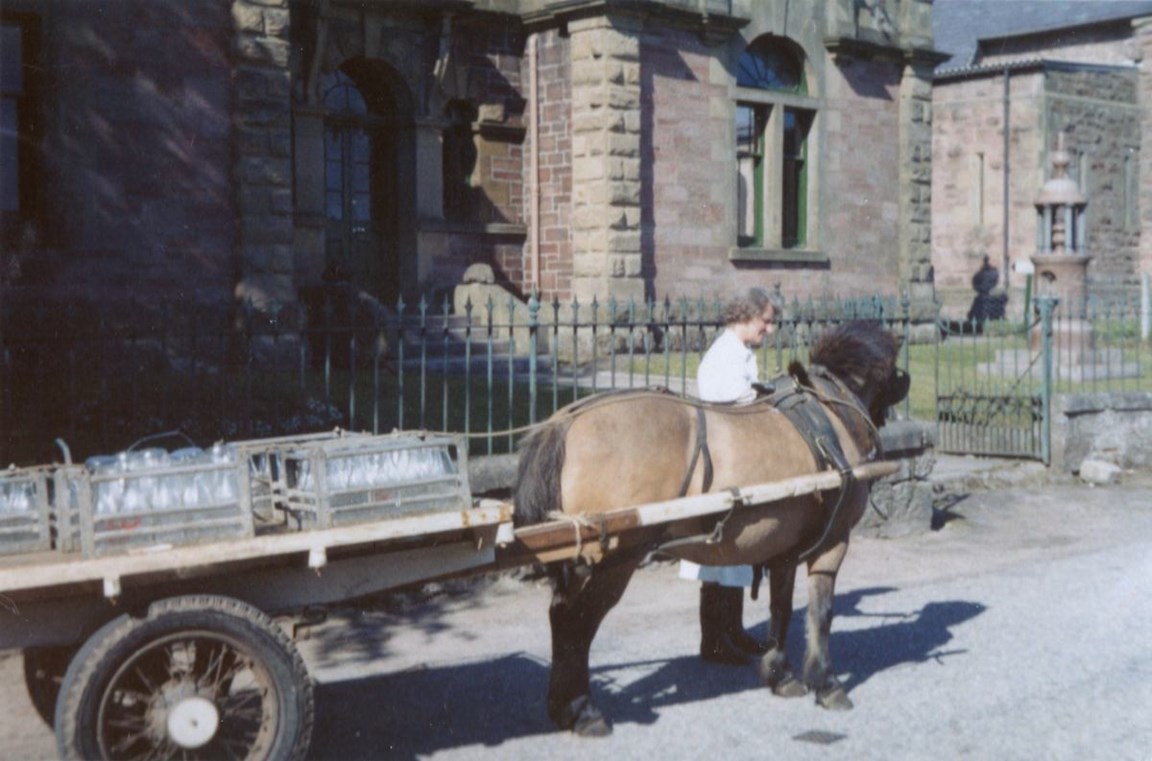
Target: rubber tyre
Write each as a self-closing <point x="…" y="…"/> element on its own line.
<point x="117" y="679"/>
<point x="44" y="669"/>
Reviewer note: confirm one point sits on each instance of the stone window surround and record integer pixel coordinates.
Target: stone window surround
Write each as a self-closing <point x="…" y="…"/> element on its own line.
<point x="810" y="255"/>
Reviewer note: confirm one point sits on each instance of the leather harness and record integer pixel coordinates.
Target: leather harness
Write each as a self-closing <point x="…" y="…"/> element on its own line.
<point x="801" y="406"/>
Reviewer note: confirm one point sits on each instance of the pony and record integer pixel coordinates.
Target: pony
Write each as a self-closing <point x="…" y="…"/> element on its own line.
<point x="623" y="448"/>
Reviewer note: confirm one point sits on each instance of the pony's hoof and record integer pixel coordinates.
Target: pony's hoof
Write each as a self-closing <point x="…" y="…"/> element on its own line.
<point x="583" y="719"/>
<point x="789" y="687"/>
<point x="835" y="699"/>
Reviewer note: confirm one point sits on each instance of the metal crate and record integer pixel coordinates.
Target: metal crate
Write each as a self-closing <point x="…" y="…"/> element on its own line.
<point x="25" y="512"/>
<point x="266" y="474"/>
<point x="68" y="484"/>
<point x="132" y="501"/>
<point x="337" y="482"/>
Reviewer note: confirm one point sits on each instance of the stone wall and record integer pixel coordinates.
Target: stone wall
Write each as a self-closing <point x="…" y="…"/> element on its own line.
<point x="134" y="196"/>
<point x="553" y="181"/>
<point x="901" y="504"/>
<point x="263" y="155"/>
<point x="689" y="154"/>
<point x="606" y="187"/>
<point x="1142" y="37"/>
<point x="863" y="198"/>
<point x="1099" y="113"/>
<point x="1115" y="427"/>
<point x="968" y="179"/>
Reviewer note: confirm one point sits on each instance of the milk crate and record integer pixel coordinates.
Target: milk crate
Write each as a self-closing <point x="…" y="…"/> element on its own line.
<point x="338" y="482"/>
<point x="25" y="510"/>
<point x="148" y="498"/>
<point x="266" y="474"/>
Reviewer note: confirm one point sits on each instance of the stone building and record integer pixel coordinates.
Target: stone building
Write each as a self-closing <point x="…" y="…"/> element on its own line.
<point x="1021" y="73"/>
<point x="188" y="152"/>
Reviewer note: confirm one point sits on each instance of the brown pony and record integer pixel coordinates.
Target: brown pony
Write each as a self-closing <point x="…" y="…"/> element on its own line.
<point x="621" y="449"/>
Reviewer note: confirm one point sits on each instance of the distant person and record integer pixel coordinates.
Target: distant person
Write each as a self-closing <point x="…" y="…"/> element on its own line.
<point x="986" y="306"/>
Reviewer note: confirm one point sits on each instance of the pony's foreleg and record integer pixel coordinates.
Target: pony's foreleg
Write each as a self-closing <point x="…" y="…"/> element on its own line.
<point x="775" y="671"/>
<point x="581" y="599"/>
<point x="818" y="672"/>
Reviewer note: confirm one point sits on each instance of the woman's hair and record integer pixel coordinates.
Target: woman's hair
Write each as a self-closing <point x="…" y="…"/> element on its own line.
<point x="747" y="305"/>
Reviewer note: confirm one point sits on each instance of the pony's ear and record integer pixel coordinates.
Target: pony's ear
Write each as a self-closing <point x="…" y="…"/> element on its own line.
<point x="797" y="371"/>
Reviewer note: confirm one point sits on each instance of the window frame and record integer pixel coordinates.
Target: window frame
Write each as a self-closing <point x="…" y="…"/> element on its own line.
<point x="784" y="228"/>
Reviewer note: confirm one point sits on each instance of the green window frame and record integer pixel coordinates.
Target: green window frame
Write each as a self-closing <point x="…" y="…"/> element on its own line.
<point x="774" y="121"/>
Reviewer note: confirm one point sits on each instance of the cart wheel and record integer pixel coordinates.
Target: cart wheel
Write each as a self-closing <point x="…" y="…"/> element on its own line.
<point x="44" y="669"/>
<point x="198" y="677"/>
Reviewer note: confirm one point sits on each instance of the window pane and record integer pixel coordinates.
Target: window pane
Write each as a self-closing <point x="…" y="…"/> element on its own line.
<point x="746" y="197"/>
<point x="772" y="64"/>
<point x="750" y="125"/>
<point x="361" y="152"/>
<point x="794" y="178"/>
<point x="333" y="176"/>
<point x="793" y="139"/>
<point x="11" y="60"/>
<point x="335" y="205"/>
<point x="361" y="207"/>
<point x="332" y="143"/>
<point x="342" y="96"/>
<point x="9" y="157"/>
<point x="746" y="137"/>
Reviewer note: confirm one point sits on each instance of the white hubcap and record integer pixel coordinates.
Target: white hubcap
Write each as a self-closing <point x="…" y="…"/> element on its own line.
<point x="192" y="722"/>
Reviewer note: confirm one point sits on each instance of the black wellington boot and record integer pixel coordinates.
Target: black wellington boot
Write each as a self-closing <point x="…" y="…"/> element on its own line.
<point x="733" y="607"/>
<point x="715" y="644"/>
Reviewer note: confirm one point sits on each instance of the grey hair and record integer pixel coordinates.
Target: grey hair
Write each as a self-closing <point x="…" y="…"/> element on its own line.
<point x="748" y="305"/>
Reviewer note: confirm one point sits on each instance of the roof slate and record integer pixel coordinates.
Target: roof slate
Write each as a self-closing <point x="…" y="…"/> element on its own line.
<point x="958" y="25"/>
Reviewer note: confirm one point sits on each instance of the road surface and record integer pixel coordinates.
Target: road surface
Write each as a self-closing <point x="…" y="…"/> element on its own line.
<point x="1018" y="630"/>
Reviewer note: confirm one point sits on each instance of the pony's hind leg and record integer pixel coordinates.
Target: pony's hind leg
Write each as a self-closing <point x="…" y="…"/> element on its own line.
<point x="581" y="598"/>
<point x="775" y="671"/>
<point x="818" y="673"/>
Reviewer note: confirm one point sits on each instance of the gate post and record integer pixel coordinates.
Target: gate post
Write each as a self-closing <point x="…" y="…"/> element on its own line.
<point x="1046" y="306"/>
<point x="533" y="348"/>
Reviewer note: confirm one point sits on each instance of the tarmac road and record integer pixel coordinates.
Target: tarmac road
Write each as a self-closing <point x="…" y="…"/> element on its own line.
<point x="1016" y="631"/>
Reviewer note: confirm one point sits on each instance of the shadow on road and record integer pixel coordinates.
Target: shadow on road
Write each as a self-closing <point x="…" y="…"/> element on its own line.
<point x="914" y="637"/>
<point x="417" y="712"/>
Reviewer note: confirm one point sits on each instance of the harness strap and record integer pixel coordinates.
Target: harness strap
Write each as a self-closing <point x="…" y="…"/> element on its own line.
<point x="803" y="409"/>
<point x="701" y="447"/>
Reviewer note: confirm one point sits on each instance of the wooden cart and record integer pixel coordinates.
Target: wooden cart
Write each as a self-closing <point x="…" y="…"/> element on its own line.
<point x="159" y="631"/>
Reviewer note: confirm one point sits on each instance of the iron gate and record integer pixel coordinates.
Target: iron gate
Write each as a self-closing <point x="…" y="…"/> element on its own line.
<point x="994" y="387"/>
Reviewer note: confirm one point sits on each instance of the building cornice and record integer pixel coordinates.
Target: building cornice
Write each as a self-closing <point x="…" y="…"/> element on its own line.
<point x="713" y="28"/>
<point x="853" y="47"/>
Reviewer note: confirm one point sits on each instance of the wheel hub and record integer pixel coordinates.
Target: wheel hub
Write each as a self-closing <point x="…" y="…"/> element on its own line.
<point x="192" y="722"/>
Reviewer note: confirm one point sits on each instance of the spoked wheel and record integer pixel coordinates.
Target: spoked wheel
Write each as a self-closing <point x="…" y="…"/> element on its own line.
<point x="197" y="678"/>
<point x="44" y="669"/>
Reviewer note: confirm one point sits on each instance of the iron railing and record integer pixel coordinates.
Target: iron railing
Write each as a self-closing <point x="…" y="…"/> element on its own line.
<point x="995" y="380"/>
<point x="487" y="370"/>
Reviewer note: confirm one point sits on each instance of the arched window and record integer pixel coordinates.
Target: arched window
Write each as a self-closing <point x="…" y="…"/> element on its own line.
<point x="347" y="153"/>
<point x="774" y="118"/>
<point x="354" y="189"/>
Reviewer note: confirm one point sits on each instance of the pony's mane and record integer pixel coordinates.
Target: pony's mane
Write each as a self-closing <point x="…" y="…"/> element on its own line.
<point x="862" y="351"/>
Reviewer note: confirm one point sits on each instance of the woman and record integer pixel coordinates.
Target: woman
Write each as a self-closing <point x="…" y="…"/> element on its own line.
<point x="728" y="373"/>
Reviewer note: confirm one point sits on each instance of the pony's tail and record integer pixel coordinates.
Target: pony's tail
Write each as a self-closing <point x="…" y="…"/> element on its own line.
<point x="538" y="474"/>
